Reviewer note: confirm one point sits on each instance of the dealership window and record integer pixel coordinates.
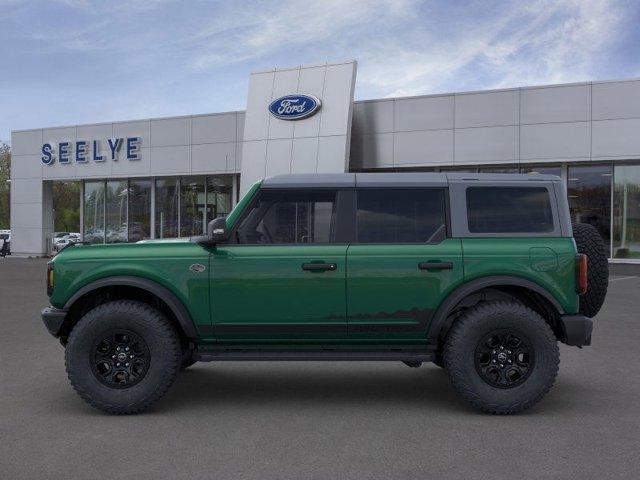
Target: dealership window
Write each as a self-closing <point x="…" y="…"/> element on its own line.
<point x="626" y="211"/>
<point x="499" y="169"/>
<point x="192" y="206"/>
<point x="93" y="231"/>
<point x="116" y="199"/>
<point x="167" y="198"/>
<point x="289" y="218"/>
<point x="219" y="196"/>
<point x="139" y="218"/>
<point x="400" y="216"/>
<point x="589" y="190"/>
<point x="509" y="210"/>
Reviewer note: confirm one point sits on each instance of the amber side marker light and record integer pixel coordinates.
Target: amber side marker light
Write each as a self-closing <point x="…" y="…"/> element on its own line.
<point x="50" y="278"/>
<point x="581" y="273"/>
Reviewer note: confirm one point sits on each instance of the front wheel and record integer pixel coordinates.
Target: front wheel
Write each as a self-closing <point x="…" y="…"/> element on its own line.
<point x="502" y="357"/>
<point x="122" y="356"/>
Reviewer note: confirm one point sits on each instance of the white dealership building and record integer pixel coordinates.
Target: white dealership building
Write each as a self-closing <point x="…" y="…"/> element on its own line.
<point x="167" y="177"/>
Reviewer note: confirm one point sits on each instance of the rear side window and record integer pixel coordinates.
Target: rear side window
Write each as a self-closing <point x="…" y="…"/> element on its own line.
<point x="401" y="216"/>
<point x="509" y="210"/>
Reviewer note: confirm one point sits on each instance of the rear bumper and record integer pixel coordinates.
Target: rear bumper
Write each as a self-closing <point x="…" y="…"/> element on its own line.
<point x="53" y="319"/>
<point x="577" y="330"/>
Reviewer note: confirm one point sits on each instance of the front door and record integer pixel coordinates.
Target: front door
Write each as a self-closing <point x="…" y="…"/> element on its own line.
<point x="401" y="265"/>
<point x="282" y="276"/>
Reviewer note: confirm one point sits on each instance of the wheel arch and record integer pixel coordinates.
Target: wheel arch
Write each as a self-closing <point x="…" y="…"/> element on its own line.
<point x="517" y="287"/>
<point x="139" y="288"/>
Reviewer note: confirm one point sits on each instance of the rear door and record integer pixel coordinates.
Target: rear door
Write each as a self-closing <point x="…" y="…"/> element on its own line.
<point x="402" y="263"/>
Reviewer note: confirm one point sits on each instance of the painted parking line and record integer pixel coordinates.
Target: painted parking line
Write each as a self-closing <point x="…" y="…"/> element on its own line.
<point x="621" y="278"/>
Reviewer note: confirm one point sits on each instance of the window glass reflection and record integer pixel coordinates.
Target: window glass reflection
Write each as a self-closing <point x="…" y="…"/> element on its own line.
<point x="93" y="229"/>
<point x="626" y="211"/>
<point x="589" y="189"/>
<point x="116" y="212"/>
<point x="192" y="206"/>
<point x="167" y="195"/>
<point x="542" y="169"/>
<point x="139" y="210"/>
<point x="219" y="196"/>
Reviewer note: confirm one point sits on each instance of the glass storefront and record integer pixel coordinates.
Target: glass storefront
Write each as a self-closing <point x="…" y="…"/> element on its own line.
<point x="93" y="222"/>
<point x="589" y="190"/>
<point x="192" y="206"/>
<point x="139" y="214"/>
<point x="119" y="211"/>
<point x="167" y="201"/>
<point x="116" y="194"/>
<point x="626" y="211"/>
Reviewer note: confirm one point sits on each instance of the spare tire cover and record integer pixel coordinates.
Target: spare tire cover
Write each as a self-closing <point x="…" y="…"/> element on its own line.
<point x="589" y="242"/>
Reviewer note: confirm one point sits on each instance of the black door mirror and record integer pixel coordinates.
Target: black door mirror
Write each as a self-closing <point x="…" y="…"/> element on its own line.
<point x="216" y="233"/>
<point x="217" y="230"/>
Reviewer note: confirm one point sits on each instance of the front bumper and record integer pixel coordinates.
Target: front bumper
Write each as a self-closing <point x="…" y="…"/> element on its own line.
<point x="53" y="319"/>
<point x="577" y="330"/>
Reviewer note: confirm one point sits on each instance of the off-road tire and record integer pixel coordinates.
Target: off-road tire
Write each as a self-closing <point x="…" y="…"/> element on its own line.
<point x="468" y="332"/>
<point x="589" y="242"/>
<point x="187" y="359"/>
<point x="147" y="323"/>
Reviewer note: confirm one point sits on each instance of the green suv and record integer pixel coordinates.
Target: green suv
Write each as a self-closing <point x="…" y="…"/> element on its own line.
<point x="480" y="274"/>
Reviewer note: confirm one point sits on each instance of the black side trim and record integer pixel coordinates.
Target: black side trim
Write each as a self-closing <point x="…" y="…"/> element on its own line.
<point x="315" y="355"/>
<point x="577" y="330"/>
<point x="150" y="286"/>
<point x="468" y="288"/>
<point x="278" y="328"/>
<point x="53" y="319"/>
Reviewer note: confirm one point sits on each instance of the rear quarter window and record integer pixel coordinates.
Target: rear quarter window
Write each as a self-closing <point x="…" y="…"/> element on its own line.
<point x="509" y="210"/>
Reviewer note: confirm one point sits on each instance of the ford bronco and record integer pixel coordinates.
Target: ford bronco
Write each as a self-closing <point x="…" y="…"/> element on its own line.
<point x="481" y="274"/>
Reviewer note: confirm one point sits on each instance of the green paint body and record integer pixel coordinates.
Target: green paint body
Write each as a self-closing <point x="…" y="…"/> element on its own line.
<point x="376" y="294"/>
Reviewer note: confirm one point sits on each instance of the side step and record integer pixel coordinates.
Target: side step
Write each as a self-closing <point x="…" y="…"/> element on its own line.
<point x="314" y="355"/>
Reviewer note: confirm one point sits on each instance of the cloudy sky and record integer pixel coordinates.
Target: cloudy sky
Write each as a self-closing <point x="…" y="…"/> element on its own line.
<point x="76" y="61"/>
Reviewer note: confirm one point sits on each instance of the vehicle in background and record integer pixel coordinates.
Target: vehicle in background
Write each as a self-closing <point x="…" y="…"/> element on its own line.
<point x="65" y="240"/>
<point x="57" y="236"/>
<point x="5" y="242"/>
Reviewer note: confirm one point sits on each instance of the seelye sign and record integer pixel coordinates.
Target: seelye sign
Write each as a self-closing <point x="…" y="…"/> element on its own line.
<point x="294" y="107"/>
<point x="82" y="151"/>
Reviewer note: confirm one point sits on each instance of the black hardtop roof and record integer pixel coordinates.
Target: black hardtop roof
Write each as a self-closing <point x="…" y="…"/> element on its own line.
<point x="388" y="179"/>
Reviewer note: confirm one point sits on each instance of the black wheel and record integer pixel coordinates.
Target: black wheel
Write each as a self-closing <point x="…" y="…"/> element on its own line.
<point x="122" y="356"/>
<point x="502" y="357"/>
<point x="589" y="242"/>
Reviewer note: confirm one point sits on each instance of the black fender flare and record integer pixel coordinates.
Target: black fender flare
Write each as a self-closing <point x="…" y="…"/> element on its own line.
<point x="173" y="302"/>
<point x="462" y="291"/>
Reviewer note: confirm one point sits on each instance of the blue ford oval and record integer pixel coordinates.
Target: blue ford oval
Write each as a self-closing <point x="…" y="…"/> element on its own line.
<point x="294" y="107"/>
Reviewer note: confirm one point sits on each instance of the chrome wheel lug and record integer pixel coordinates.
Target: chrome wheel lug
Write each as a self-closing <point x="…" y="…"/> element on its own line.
<point x="501" y="366"/>
<point x="127" y="349"/>
<point x="130" y="356"/>
<point x="117" y="364"/>
<point x="117" y="349"/>
<point x="509" y="361"/>
<point x="494" y="360"/>
<point x="113" y="356"/>
<point x="126" y="364"/>
<point x="501" y="348"/>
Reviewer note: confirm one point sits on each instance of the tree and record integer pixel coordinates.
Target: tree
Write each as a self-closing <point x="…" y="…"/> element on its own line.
<point x="5" y="175"/>
<point x="66" y="205"/>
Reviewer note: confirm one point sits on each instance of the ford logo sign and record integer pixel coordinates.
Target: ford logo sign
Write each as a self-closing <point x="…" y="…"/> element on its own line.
<point x="294" y="107"/>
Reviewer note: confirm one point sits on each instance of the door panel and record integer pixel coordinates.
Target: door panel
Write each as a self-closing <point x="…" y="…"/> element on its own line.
<point x="389" y="296"/>
<point x="263" y="292"/>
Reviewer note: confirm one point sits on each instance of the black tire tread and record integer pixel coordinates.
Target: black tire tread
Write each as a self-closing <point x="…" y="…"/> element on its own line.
<point x="453" y="362"/>
<point x="164" y="329"/>
<point x="589" y="242"/>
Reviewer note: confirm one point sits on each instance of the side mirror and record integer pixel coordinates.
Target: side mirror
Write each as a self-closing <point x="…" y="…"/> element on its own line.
<point x="217" y="230"/>
<point x="216" y="233"/>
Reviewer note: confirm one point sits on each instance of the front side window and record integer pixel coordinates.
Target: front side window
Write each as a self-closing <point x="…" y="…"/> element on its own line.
<point x="509" y="210"/>
<point x="401" y="215"/>
<point x="289" y="217"/>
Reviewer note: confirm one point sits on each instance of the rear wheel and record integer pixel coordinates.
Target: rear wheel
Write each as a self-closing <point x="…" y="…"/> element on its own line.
<point x="501" y="357"/>
<point x="589" y="242"/>
<point x="122" y="356"/>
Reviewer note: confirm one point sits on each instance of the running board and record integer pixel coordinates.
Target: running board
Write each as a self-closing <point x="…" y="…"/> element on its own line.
<point x="313" y="355"/>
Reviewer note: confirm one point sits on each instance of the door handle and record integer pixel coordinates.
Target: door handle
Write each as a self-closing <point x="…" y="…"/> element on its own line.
<point x="319" y="267"/>
<point x="435" y="265"/>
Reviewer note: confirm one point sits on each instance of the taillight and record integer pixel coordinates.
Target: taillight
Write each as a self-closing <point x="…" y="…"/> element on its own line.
<point x="581" y="273"/>
<point x="50" y="278"/>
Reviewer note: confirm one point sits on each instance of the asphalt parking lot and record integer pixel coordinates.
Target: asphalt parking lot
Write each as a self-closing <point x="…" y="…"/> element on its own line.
<point x="316" y="420"/>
